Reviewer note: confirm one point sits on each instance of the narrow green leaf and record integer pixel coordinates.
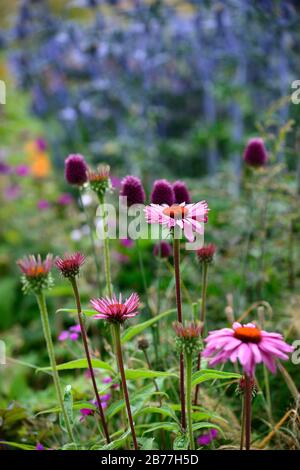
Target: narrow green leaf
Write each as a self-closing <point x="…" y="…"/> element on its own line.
<point x="206" y="425"/>
<point x="80" y="364"/>
<point x="163" y="411"/>
<point x="88" y="313"/>
<point x="118" y="442"/>
<point x="133" y="374"/>
<point x="137" y="329"/>
<point x="76" y="406"/>
<point x="18" y="445"/>
<point x="167" y="426"/>
<point x="211" y="374"/>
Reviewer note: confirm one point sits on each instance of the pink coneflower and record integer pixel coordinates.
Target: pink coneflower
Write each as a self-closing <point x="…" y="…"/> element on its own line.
<point x="33" y="266"/>
<point x="36" y="273"/>
<point x="132" y="189"/>
<point x="186" y="216"/>
<point x="162" y="193"/>
<point x="115" y="310"/>
<point x="206" y="253"/>
<point x="99" y="180"/>
<point x="76" y="169"/>
<point x="255" y="153"/>
<point x="181" y="193"/>
<point x="248" y="344"/>
<point x="41" y="144"/>
<point x="70" y="264"/>
<point x="12" y="192"/>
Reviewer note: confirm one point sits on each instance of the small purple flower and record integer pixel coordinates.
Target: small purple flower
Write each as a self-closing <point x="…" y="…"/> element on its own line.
<point x="22" y="170"/>
<point x="41" y="144"/>
<point x="65" y="199"/>
<point x="106" y="380"/>
<point x="181" y="193"/>
<point x="162" y="193"/>
<point x="43" y="204"/>
<point x="63" y="336"/>
<point x="4" y="168"/>
<point x="132" y="188"/>
<point x="72" y="333"/>
<point x="12" y="192"/>
<point x="127" y="243"/>
<point x="76" y="169"/>
<point x="39" y="446"/>
<point x="207" y="438"/>
<point x="115" y="182"/>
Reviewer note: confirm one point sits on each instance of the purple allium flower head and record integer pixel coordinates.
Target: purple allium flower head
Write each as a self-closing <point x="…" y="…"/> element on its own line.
<point x="65" y="199"/>
<point x="181" y="193"/>
<point x="255" y="153"/>
<point x="43" y="204"/>
<point x="76" y="169"/>
<point x="162" y="249"/>
<point x="132" y="188"/>
<point x="162" y="193"/>
<point x="22" y="170"/>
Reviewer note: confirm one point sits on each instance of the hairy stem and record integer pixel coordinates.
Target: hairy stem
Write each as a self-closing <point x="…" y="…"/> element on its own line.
<point x="176" y="253"/>
<point x="88" y="356"/>
<point x="116" y="330"/>
<point x="248" y="400"/>
<point x="189" y="365"/>
<point x="48" y="338"/>
<point x="106" y="250"/>
<point x="202" y="320"/>
<point x="92" y="239"/>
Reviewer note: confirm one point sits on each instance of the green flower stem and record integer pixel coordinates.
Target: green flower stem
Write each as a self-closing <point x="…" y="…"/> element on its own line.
<point x="106" y="250"/>
<point x="242" y="425"/>
<point x="248" y="402"/>
<point x="48" y="338"/>
<point x="189" y="366"/>
<point x="88" y="356"/>
<point x="154" y="329"/>
<point x="150" y="368"/>
<point x="117" y="337"/>
<point x="92" y="239"/>
<point x="202" y="320"/>
<point x="176" y="254"/>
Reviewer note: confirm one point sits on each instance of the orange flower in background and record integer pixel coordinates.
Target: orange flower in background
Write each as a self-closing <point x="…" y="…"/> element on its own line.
<point x="38" y="158"/>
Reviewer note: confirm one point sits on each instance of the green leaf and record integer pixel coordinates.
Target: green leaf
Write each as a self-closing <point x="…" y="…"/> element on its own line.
<point x="206" y="425"/>
<point x="80" y="364"/>
<point x="88" y="313"/>
<point x="133" y="374"/>
<point x="137" y="329"/>
<point x="147" y="443"/>
<point x="167" y="426"/>
<point x="18" y="445"/>
<point x="76" y="406"/>
<point x="118" y="442"/>
<point x="211" y="374"/>
<point x="181" y="442"/>
<point x="163" y="411"/>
